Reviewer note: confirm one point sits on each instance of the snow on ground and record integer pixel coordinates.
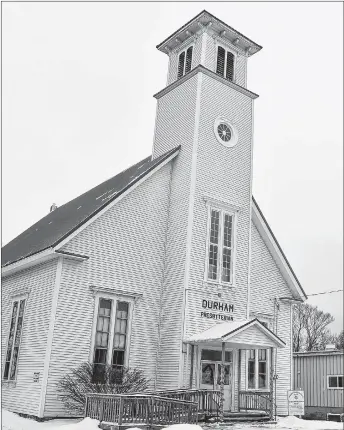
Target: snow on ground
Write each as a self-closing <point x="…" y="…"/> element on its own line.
<point x="11" y="421"/>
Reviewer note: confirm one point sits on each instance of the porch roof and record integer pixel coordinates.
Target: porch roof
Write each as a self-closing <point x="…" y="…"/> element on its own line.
<point x="244" y="334"/>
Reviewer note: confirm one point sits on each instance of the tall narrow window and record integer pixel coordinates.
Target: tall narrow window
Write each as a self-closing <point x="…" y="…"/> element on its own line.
<point x="188" y="59"/>
<point x="14" y="340"/>
<point x="185" y="62"/>
<point x="251" y="368"/>
<point x="257" y="365"/>
<point x="102" y="338"/>
<point x="214" y="244"/>
<point x="220" y="248"/>
<point x="220" y="65"/>
<point x="225" y="63"/>
<point x="181" y="64"/>
<point x="230" y="66"/>
<point x="261" y="368"/>
<point x="110" y="337"/>
<point x="227" y="248"/>
<point x="120" y="334"/>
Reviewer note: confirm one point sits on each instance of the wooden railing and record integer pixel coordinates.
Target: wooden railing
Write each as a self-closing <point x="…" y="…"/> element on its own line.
<point x="208" y="401"/>
<point x="140" y="408"/>
<point x="255" y="400"/>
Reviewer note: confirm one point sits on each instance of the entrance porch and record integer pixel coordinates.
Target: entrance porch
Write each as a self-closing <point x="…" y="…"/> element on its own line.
<point x="236" y="360"/>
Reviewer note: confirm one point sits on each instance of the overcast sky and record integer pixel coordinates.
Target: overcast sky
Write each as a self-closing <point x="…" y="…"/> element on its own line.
<point x="78" y="81"/>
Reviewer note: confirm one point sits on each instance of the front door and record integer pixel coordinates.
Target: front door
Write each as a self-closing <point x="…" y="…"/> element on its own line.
<point x="211" y="377"/>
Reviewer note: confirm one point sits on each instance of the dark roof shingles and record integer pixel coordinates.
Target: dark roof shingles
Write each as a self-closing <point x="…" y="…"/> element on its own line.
<point x="57" y="225"/>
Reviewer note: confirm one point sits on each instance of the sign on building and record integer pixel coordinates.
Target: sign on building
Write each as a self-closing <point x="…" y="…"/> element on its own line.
<point x="296" y="402"/>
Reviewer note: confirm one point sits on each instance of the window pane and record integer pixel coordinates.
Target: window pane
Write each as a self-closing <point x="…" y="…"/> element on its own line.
<point x="213" y="256"/>
<point x="214" y="226"/>
<point x="123" y="328"/>
<point x="262" y="367"/>
<point x="220" y="65"/>
<point x="262" y="381"/>
<point x="262" y="354"/>
<point x="213" y="355"/>
<point x="208" y="370"/>
<point x="230" y="66"/>
<point x="332" y="381"/>
<point x="227" y="231"/>
<point x="118" y="358"/>
<point x="14" y="362"/>
<point x="251" y="354"/>
<point x="226" y="374"/>
<point x="104" y="307"/>
<point x="7" y="368"/>
<point x="340" y="381"/>
<point x="251" y="380"/>
<point x="181" y="64"/>
<point x="226" y="265"/>
<point x="188" y="60"/>
<point x="100" y="356"/>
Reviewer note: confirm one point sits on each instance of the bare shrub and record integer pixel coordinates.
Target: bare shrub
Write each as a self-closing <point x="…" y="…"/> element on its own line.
<point x="87" y="378"/>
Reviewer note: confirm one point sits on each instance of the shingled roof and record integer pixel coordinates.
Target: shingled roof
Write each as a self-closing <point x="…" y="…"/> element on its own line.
<point x="60" y="223"/>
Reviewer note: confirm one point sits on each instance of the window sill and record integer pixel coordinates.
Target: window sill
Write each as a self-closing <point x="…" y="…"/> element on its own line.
<point x="218" y="284"/>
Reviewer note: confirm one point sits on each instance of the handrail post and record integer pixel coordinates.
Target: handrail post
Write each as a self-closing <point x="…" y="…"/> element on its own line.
<point x="86" y="406"/>
<point x="120" y="411"/>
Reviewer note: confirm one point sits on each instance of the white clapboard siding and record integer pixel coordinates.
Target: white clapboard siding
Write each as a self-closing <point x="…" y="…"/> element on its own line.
<point x="252" y="335"/>
<point x="24" y="395"/>
<point x="126" y="249"/>
<point x="232" y="182"/>
<point x="268" y="284"/>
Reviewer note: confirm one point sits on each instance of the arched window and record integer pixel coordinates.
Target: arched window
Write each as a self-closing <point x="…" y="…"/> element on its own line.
<point x="225" y="63"/>
<point x="184" y="62"/>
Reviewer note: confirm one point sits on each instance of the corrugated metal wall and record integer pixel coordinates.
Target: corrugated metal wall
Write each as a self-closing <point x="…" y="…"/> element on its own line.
<point x="310" y="374"/>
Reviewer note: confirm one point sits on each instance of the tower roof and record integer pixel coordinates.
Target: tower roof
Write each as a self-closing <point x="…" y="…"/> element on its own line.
<point x="205" y="18"/>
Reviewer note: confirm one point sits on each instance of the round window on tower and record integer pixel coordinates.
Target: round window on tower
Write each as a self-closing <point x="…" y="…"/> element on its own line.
<point x="225" y="132"/>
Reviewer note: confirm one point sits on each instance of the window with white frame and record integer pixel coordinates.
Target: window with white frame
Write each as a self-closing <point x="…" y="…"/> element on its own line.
<point x="185" y="61"/>
<point x="220" y="246"/>
<point x="225" y="63"/>
<point x="111" y="335"/>
<point x="13" y="343"/>
<point x="335" y="382"/>
<point x="257" y="369"/>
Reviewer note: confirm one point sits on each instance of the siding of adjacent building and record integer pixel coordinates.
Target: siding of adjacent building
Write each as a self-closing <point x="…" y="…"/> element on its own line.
<point x="311" y="370"/>
<point x="24" y="395"/>
<point x="126" y="248"/>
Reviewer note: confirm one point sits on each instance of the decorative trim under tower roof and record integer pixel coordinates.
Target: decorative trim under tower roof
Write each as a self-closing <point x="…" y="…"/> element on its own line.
<point x="204" y="20"/>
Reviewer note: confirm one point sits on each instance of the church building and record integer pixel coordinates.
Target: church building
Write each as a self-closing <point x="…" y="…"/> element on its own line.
<point x="165" y="264"/>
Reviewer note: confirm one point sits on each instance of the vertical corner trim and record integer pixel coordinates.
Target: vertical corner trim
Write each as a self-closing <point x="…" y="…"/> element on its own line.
<point x="190" y="218"/>
<point x="50" y="337"/>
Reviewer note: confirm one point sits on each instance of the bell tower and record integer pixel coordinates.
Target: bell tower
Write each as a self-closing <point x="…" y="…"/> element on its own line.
<point x="207" y="109"/>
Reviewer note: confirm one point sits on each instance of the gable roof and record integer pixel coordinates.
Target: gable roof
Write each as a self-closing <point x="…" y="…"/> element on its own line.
<point x="57" y="225"/>
<point x="228" y="331"/>
<point x="276" y="252"/>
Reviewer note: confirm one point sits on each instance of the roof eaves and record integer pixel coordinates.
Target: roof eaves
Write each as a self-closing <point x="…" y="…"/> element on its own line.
<point x="183" y="27"/>
<point x="208" y="72"/>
